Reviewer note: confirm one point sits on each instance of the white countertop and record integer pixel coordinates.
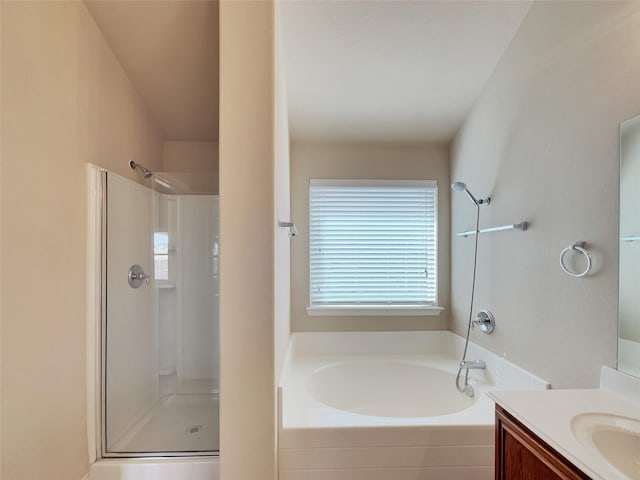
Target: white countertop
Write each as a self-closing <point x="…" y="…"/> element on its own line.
<point x="548" y="414"/>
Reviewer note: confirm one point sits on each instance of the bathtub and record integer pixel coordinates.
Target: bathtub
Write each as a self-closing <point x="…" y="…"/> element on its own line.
<point x="381" y="405"/>
<point x="397" y="388"/>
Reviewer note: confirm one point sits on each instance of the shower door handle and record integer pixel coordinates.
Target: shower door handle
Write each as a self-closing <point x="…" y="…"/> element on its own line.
<point x="136" y="276"/>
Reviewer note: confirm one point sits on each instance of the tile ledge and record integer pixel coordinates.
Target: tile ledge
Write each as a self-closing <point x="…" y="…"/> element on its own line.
<point x="620" y="383"/>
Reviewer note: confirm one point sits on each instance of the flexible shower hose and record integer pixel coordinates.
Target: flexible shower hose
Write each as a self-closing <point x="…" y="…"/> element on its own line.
<point x="468" y="389"/>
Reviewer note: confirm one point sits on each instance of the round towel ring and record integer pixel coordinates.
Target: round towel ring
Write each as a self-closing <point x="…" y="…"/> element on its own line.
<point x="576" y="247"/>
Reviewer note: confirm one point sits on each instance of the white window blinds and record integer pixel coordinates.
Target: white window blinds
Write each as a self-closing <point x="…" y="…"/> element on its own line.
<point x="373" y="242"/>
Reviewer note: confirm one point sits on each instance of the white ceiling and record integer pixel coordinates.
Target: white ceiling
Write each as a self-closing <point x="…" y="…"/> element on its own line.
<point x="390" y="71"/>
<point x="169" y="50"/>
<point x="356" y="71"/>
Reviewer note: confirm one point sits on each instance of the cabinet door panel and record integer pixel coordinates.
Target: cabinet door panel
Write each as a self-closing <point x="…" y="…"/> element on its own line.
<point x="521" y="464"/>
<point x="521" y="455"/>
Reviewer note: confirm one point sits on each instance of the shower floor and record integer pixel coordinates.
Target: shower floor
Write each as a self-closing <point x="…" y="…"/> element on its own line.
<point x="179" y="423"/>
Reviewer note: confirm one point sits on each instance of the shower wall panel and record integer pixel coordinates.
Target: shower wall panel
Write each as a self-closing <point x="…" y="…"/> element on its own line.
<point x="197" y="233"/>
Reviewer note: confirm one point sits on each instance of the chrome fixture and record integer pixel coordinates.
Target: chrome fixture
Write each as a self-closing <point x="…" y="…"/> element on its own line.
<point x="579" y="248"/>
<point x="515" y="226"/>
<point x="473" y="364"/>
<point x="467" y="365"/>
<point x="293" y="231"/>
<point x="467" y="389"/>
<point x="146" y="173"/>
<point x="485" y="320"/>
<point x="136" y="276"/>
<point x="462" y="187"/>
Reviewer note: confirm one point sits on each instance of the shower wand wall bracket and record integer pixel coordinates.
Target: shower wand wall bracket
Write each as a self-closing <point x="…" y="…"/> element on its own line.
<point x="293" y="231"/>
<point x="485" y="320"/>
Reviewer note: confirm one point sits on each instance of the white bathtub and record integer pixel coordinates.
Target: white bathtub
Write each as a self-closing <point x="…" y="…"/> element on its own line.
<point x="387" y="388"/>
<point x="377" y="405"/>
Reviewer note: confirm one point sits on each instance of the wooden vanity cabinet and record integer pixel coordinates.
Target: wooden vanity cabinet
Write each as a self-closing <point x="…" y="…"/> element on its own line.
<point x="521" y="455"/>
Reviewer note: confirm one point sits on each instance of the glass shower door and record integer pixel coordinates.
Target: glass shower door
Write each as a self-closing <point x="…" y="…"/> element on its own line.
<point x="161" y="353"/>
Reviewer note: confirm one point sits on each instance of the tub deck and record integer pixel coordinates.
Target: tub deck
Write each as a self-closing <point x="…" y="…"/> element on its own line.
<point x="318" y="442"/>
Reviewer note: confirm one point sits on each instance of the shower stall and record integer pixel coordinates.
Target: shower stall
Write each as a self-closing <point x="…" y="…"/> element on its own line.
<point x="158" y="359"/>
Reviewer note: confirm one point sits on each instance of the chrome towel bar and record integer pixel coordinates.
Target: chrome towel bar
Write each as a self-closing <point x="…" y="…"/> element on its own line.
<point x="515" y="226"/>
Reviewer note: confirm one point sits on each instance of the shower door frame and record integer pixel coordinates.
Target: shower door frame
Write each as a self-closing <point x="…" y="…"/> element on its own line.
<point x="97" y="379"/>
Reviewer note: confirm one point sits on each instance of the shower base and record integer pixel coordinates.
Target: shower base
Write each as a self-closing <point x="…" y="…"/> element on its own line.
<point x="179" y="423"/>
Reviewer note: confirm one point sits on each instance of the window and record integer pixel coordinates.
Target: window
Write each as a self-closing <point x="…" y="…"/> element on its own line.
<point x="161" y="255"/>
<point x="373" y="244"/>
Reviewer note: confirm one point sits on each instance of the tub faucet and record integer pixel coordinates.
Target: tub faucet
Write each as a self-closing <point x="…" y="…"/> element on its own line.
<point x="473" y="364"/>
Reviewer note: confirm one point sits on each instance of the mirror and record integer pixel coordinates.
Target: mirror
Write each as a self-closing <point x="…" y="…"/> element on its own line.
<point x="629" y="309"/>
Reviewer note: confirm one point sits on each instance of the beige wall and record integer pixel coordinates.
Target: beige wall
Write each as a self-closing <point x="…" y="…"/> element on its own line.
<point x="193" y="159"/>
<point x="65" y="102"/>
<point x="282" y="207"/>
<point x="196" y="157"/>
<point x="542" y="141"/>
<point x="377" y="162"/>
<point x="114" y="125"/>
<point x="247" y="427"/>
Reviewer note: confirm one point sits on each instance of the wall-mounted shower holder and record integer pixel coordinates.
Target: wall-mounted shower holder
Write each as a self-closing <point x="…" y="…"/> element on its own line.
<point x="293" y="231"/>
<point x="485" y="320"/>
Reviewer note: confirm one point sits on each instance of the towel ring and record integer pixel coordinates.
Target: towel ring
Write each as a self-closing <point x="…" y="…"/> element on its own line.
<point x="576" y="247"/>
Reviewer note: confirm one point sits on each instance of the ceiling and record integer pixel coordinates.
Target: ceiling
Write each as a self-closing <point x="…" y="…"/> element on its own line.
<point x="169" y="50"/>
<point x="356" y="71"/>
<point x="391" y="71"/>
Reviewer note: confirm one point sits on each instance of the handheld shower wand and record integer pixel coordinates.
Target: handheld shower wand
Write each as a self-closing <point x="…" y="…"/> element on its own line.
<point x="462" y="187"/>
<point x="465" y="364"/>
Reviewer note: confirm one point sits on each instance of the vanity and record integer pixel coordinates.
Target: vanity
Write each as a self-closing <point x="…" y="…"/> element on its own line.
<point x="521" y="454"/>
<point x="570" y="434"/>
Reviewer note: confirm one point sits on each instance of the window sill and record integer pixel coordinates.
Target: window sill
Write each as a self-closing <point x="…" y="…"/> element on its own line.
<point x="374" y="310"/>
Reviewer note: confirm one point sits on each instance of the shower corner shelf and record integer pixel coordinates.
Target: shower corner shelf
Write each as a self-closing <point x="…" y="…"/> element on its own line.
<point x="522" y="226"/>
<point x="164" y="285"/>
